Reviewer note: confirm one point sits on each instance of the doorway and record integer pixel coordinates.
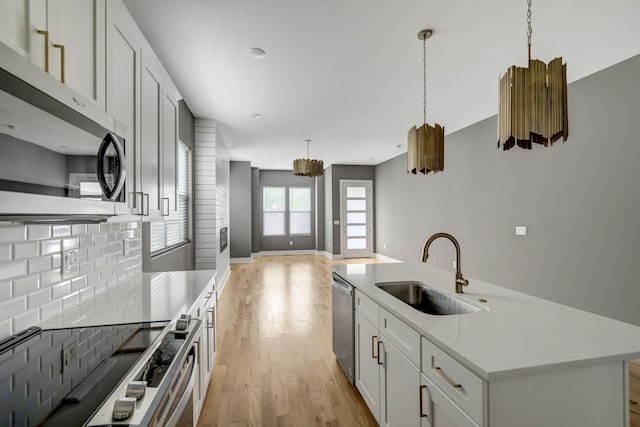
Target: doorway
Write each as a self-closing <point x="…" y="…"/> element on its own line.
<point x="356" y="217"/>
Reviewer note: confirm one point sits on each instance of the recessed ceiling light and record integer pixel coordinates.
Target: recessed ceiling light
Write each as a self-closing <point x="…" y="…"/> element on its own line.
<point x="257" y="115"/>
<point x="256" y="53"/>
<point x="255" y="154"/>
<point x="399" y="146"/>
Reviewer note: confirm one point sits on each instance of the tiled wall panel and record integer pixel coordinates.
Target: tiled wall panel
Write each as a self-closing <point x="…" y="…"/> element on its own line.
<point x="32" y="286"/>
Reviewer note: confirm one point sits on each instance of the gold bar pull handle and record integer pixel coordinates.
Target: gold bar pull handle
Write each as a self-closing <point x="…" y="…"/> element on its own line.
<point x="373" y="345"/>
<point x="422" y="414"/>
<point x="446" y="378"/>
<point x="46" y="48"/>
<point x="379" y="362"/>
<point x="61" y="47"/>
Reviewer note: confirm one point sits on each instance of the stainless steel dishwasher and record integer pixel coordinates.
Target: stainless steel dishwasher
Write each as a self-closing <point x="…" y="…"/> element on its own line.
<point x="342" y="300"/>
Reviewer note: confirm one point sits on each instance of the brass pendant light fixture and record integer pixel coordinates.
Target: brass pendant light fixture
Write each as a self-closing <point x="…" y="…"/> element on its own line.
<point x="533" y="102"/>
<point x="425" y="145"/>
<point x="308" y="167"/>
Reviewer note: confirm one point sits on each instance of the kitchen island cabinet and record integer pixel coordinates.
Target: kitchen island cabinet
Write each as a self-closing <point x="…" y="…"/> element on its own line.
<point x="524" y="361"/>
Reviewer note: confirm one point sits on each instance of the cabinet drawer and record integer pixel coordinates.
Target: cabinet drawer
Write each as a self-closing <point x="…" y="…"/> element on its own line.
<point x="400" y="335"/>
<point x="367" y="307"/>
<point x="440" y="409"/>
<point x="457" y="382"/>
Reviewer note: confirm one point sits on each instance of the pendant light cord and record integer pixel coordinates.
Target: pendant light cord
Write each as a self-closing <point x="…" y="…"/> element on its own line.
<point x="308" y="141"/>
<point x="529" y="30"/>
<point x="424" y="74"/>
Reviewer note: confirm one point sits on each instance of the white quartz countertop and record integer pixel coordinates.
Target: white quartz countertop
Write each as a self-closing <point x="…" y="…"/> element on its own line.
<point x="150" y="297"/>
<point x="519" y="335"/>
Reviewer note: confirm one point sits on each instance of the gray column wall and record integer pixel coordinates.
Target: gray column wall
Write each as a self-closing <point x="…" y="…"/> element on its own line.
<point x="240" y="210"/>
<point x="320" y="218"/>
<point x="580" y="201"/>
<point x="256" y="216"/>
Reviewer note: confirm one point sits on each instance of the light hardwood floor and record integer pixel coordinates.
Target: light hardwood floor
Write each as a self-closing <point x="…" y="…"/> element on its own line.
<point x="275" y="365"/>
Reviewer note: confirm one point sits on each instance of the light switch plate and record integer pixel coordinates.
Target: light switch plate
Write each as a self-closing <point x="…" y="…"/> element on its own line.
<point x="521" y="230"/>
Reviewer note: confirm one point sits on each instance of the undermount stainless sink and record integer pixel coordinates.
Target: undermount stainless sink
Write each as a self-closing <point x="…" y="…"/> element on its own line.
<point x="428" y="300"/>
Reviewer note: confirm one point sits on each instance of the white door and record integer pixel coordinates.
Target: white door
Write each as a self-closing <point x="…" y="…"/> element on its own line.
<point x="356" y="217"/>
<point x="399" y="389"/>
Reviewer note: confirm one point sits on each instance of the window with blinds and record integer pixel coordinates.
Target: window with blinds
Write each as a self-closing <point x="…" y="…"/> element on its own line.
<point x="167" y="234"/>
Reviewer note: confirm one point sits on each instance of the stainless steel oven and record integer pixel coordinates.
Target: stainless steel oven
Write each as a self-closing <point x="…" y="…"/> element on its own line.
<point x="54" y="160"/>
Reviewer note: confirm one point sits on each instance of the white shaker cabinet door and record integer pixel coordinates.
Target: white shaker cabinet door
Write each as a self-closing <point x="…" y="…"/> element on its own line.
<point x="367" y="368"/>
<point x="77" y="49"/>
<point x="400" y="385"/>
<point x="150" y="124"/>
<point x="169" y="153"/>
<point x="123" y="92"/>
<point x="438" y="410"/>
<point x="23" y="27"/>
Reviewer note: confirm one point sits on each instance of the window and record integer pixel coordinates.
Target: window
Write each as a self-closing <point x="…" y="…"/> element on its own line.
<point x="167" y="234"/>
<point x="282" y="211"/>
<point x="273" y="211"/>
<point x="300" y="211"/>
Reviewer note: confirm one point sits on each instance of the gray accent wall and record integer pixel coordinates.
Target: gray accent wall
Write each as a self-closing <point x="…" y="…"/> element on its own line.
<point x="281" y="243"/>
<point x="240" y="210"/>
<point x="579" y="200"/>
<point x="332" y="192"/>
<point x="320" y="214"/>
<point x="256" y="216"/>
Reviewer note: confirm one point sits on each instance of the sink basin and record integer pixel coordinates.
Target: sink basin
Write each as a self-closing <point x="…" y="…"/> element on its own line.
<point x="428" y="300"/>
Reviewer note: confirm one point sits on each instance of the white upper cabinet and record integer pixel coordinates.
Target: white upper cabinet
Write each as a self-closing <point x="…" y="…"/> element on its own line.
<point x="169" y="151"/>
<point x="65" y="38"/>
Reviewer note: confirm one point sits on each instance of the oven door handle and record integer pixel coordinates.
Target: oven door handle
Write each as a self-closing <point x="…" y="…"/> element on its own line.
<point x="184" y="399"/>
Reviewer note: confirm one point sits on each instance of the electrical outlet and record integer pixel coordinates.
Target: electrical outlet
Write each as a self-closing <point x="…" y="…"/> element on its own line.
<point x="290" y="242"/>
<point x="69" y="262"/>
<point x="521" y="230"/>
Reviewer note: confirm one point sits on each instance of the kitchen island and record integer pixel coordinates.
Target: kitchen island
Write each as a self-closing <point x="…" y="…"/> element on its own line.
<point x="521" y="360"/>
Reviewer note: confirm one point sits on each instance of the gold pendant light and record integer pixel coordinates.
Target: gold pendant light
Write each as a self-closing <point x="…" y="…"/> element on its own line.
<point x="425" y="145"/>
<point x="533" y="102"/>
<point x="308" y="167"/>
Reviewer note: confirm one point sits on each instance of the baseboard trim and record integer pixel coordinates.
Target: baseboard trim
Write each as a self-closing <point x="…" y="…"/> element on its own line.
<point x="241" y="260"/>
<point x="386" y="258"/>
<point x="222" y="283"/>
<point x="293" y="252"/>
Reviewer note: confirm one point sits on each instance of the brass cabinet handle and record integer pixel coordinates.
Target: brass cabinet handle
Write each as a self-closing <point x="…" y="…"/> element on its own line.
<point x="379" y="362"/>
<point x="62" y="60"/>
<point x="373" y="353"/>
<point x="446" y="378"/>
<point x="422" y="414"/>
<point x="45" y="33"/>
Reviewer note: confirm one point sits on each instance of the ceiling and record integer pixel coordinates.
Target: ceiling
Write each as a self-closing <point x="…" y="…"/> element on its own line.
<point x="348" y="74"/>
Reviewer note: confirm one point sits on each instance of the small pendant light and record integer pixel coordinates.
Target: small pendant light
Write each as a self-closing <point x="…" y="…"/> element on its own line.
<point x="425" y="145"/>
<point x="533" y="102"/>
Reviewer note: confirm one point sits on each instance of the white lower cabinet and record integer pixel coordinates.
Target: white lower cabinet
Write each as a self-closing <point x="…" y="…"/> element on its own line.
<point x="399" y="388"/>
<point x="437" y="410"/>
<point x="367" y="368"/>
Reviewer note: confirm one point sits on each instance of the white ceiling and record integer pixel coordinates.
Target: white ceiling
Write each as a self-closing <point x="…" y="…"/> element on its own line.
<point x="348" y="73"/>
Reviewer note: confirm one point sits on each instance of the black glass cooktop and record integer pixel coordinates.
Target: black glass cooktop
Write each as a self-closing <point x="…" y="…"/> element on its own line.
<point x="60" y="377"/>
<point x="158" y="364"/>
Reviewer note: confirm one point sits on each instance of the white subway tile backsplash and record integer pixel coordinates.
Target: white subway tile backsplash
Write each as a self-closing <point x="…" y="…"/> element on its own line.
<point x="13" y="307"/>
<point x="38" y="298"/>
<point x="37" y="265"/>
<point x="48" y="247"/>
<point x="11" y="234"/>
<point x="61" y="230"/>
<point x="70" y="301"/>
<point x="5" y="290"/>
<point x="25" y="250"/>
<point x="9" y="270"/>
<point x="26" y="319"/>
<point x="78" y="283"/>
<point x="50" y="277"/>
<point x="25" y="285"/>
<point x="5" y="252"/>
<point x="60" y="290"/>
<point x="49" y="310"/>
<point x="35" y="232"/>
<point x="32" y="288"/>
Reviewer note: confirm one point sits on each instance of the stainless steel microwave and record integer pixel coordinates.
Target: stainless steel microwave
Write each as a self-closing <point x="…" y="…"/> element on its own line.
<point x="54" y="160"/>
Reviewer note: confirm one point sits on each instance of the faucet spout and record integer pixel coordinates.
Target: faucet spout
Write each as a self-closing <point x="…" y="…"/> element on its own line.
<point x="460" y="281"/>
